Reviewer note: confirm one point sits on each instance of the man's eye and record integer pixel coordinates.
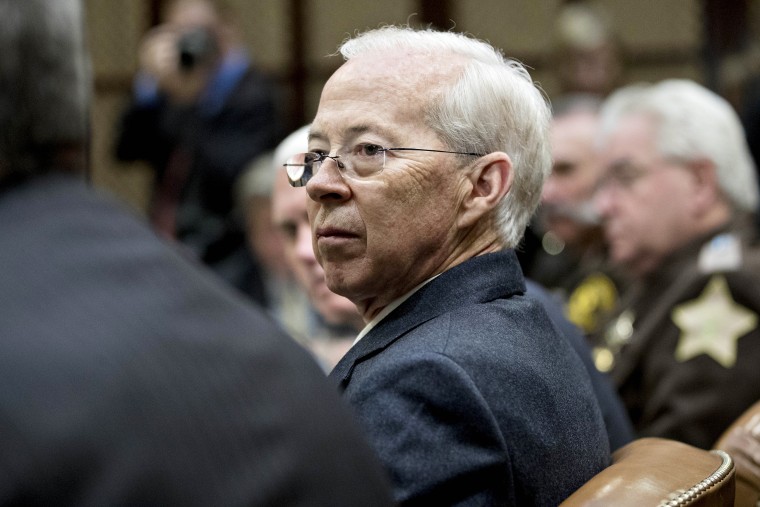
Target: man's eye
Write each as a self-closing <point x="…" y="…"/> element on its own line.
<point x="369" y="150"/>
<point x="289" y="230"/>
<point x="563" y="168"/>
<point x="627" y="176"/>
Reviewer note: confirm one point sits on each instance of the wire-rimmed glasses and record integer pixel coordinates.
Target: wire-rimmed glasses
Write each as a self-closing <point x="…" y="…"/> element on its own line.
<point x="624" y="173"/>
<point x="363" y="161"/>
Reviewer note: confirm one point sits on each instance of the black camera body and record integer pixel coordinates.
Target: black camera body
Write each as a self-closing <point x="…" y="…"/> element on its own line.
<point x="196" y="47"/>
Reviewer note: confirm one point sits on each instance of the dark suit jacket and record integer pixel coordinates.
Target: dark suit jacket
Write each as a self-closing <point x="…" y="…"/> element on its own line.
<point x="129" y="377"/>
<point x="470" y="397"/>
<point x="619" y="426"/>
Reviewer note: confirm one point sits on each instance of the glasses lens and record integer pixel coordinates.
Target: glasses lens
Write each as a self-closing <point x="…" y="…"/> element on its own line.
<point x="300" y="168"/>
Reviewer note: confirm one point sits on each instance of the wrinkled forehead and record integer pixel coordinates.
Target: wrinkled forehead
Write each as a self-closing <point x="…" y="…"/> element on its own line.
<point x="400" y="85"/>
<point x="407" y="68"/>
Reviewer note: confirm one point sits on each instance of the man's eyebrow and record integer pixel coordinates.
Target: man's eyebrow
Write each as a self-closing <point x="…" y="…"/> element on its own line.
<point x="361" y="129"/>
<point x="315" y="135"/>
<point x="620" y="163"/>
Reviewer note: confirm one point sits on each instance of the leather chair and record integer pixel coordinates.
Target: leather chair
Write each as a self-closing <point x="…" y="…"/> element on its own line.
<point x="659" y="472"/>
<point x="742" y="441"/>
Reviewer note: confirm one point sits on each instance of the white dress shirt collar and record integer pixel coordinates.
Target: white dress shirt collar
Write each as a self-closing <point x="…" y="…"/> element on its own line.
<point x="388" y="309"/>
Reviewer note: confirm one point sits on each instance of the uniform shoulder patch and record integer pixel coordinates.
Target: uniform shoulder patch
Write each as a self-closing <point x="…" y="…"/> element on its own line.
<point x="712" y="324"/>
<point x="722" y="253"/>
<point x="592" y="300"/>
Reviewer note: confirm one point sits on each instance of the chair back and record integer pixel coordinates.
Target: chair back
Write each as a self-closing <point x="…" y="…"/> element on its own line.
<point x="742" y="441"/>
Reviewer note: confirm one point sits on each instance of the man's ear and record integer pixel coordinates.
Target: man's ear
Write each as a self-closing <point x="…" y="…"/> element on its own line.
<point x="706" y="189"/>
<point x="490" y="180"/>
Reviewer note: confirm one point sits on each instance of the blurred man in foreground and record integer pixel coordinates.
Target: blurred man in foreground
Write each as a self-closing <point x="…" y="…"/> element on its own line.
<point x="130" y="376"/>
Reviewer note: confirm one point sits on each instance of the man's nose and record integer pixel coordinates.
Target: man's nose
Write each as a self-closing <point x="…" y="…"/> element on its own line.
<point x="603" y="200"/>
<point x="328" y="183"/>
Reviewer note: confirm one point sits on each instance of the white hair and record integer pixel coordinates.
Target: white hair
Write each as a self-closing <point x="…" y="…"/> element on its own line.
<point x="692" y="123"/>
<point x="44" y="80"/>
<point x="493" y="106"/>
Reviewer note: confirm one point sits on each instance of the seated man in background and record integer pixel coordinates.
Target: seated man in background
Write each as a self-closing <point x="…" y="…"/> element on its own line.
<point x="129" y="375"/>
<point x="572" y="262"/>
<point x="426" y="160"/>
<point x="332" y="331"/>
<point x="677" y="202"/>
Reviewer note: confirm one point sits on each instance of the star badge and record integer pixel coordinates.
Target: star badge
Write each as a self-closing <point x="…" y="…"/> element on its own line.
<point x="712" y="324"/>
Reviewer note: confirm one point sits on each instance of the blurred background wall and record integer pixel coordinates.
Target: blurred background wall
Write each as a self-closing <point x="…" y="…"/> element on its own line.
<point x="715" y="42"/>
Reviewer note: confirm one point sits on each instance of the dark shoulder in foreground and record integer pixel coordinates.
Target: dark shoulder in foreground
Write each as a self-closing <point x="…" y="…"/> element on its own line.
<point x="132" y="377"/>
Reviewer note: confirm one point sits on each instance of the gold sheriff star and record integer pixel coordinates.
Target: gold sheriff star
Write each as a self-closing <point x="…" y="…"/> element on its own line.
<point x="712" y="324"/>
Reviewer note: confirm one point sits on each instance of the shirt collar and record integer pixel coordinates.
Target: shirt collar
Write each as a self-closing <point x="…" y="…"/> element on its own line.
<point x="388" y="309"/>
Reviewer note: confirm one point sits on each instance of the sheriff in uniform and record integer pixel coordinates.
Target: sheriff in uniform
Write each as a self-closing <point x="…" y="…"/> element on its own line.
<point x="677" y="201"/>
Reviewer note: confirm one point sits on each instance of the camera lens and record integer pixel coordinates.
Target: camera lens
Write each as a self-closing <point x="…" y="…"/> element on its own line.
<point x="195" y="47"/>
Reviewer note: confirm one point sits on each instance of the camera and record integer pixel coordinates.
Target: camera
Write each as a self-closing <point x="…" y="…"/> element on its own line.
<point x="196" y="47"/>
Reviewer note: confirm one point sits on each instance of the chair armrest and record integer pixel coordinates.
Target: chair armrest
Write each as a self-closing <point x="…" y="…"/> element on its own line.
<point x="742" y="441"/>
<point x="660" y="472"/>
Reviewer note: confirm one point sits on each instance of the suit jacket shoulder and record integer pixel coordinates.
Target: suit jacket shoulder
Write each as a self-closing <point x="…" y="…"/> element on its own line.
<point x="132" y="377"/>
<point x="466" y="384"/>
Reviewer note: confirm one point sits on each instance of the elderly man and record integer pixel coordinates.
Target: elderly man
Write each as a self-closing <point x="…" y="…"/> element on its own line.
<point x="573" y="260"/>
<point x="130" y="376"/>
<point x="426" y="160"/>
<point x="676" y="201"/>
<point x="290" y="215"/>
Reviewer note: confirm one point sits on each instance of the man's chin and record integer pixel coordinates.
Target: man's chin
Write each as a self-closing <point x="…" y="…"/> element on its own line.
<point x="620" y="256"/>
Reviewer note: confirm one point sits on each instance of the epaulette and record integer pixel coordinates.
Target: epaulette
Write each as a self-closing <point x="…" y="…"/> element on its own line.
<point x="722" y="253"/>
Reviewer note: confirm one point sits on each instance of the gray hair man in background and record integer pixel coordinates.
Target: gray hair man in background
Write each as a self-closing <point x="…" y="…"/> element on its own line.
<point x="331" y="331"/>
<point x="677" y="202"/>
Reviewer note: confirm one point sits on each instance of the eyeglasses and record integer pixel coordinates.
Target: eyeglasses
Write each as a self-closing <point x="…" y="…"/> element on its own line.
<point x="624" y="174"/>
<point x="363" y="161"/>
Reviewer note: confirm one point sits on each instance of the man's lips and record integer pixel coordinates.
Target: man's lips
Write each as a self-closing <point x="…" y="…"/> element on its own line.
<point x="334" y="239"/>
<point x="334" y="233"/>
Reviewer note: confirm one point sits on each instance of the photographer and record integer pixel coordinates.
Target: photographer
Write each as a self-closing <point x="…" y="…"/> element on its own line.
<point x="199" y="113"/>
